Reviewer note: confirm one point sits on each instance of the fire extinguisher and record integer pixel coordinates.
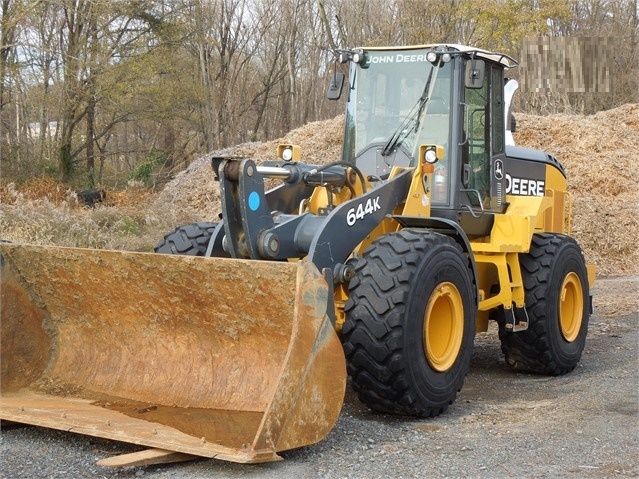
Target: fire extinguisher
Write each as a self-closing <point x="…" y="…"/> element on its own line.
<point x="440" y="184"/>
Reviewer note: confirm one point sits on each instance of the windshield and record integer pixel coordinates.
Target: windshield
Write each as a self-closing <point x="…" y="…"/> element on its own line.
<point x="390" y="96"/>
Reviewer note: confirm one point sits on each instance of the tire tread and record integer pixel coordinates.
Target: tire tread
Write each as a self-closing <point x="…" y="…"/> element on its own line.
<point x="188" y="240"/>
<point x="532" y="350"/>
<point x="373" y="332"/>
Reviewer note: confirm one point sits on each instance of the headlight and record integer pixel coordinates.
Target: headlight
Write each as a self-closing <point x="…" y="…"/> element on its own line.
<point x="287" y="154"/>
<point x="430" y="156"/>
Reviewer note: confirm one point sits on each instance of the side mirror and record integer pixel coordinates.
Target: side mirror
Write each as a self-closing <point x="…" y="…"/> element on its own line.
<point x="475" y="73"/>
<point x="335" y="87"/>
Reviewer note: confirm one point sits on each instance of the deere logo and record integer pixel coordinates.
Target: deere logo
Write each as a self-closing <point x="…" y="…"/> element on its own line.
<point x="524" y="186"/>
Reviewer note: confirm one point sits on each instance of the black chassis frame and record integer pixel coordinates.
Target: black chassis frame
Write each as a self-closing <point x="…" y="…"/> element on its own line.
<point x="261" y="225"/>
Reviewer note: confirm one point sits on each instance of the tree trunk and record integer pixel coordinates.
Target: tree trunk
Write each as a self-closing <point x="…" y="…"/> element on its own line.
<point x="90" y="155"/>
<point x="65" y="160"/>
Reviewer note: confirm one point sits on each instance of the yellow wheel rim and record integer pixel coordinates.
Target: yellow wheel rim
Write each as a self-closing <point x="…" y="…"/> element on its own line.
<point x="571" y="307"/>
<point x="443" y="326"/>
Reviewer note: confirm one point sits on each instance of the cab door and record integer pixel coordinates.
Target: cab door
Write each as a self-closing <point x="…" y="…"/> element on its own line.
<point x="483" y="145"/>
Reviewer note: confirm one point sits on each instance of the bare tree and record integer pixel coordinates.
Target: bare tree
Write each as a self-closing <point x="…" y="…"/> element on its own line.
<point x="150" y="84"/>
<point x="8" y="24"/>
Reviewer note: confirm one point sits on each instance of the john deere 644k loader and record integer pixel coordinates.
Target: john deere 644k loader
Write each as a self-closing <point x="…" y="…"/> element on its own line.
<point x="381" y="265"/>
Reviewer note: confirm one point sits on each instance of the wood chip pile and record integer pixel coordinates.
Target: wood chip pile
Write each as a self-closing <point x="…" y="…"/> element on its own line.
<point x="599" y="152"/>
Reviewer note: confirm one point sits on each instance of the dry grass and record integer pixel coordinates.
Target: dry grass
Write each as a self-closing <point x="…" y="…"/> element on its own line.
<point x="37" y="189"/>
<point x="46" y="212"/>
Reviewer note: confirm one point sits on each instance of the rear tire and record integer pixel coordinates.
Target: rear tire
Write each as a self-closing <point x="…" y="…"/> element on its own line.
<point x="188" y="240"/>
<point x="557" y="299"/>
<point x="410" y="323"/>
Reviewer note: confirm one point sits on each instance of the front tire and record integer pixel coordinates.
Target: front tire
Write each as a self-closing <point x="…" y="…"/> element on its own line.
<point x="557" y="299"/>
<point x="189" y="240"/>
<point x="410" y="323"/>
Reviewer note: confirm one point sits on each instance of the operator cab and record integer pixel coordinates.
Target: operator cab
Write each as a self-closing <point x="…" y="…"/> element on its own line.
<point x="447" y="95"/>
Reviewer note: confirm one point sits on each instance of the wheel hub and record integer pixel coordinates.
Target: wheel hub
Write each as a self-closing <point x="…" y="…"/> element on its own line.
<point x="443" y="326"/>
<point x="571" y="307"/>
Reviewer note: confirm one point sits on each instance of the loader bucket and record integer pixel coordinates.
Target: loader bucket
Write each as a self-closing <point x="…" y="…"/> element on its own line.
<point x="216" y="357"/>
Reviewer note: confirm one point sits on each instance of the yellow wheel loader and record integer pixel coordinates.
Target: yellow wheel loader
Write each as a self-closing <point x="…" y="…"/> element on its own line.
<point x="237" y="342"/>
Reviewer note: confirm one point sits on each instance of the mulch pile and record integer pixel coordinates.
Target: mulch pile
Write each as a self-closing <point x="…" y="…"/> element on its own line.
<point x="601" y="155"/>
<point x="196" y="191"/>
<point x="599" y="152"/>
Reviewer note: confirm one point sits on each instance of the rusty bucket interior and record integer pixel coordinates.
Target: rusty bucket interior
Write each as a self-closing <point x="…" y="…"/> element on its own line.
<point x="216" y="357"/>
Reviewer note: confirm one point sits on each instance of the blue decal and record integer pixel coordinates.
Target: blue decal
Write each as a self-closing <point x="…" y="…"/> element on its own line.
<point x="254" y="201"/>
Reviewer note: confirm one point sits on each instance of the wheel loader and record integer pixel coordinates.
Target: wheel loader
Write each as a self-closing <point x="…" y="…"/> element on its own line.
<point x="235" y="338"/>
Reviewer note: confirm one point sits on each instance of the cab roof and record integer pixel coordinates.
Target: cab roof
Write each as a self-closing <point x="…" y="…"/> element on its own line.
<point x="505" y="60"/>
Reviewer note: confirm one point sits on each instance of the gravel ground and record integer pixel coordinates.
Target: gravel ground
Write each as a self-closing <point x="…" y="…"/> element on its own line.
<point x="503" y="424"/>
